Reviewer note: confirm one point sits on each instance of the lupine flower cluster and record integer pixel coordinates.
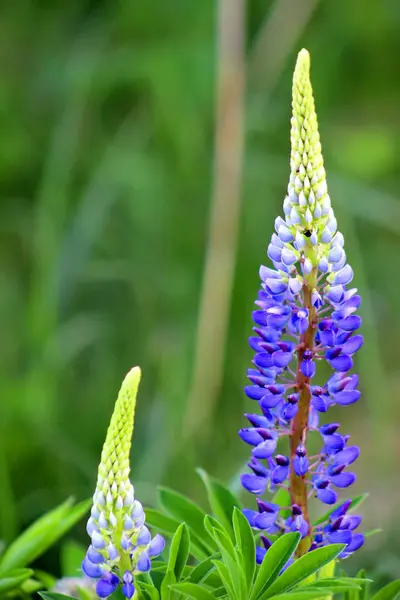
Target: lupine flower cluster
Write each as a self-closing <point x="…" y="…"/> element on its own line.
<point x="306" y="314"/>
<point x="121" y="545"/>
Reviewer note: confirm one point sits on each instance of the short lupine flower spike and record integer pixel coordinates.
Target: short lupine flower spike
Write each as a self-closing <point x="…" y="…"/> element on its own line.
<point x="121" y="544"/>
<point x="305" y="315"/>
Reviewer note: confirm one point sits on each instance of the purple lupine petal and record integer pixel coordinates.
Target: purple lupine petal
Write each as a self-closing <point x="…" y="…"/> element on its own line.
<point x="334" y="442"/>
<point x="270" y="401"/>
<point x="255" y="344"/>
<point x="264" y="520"/>
<point x="260" y="553"/>
<point x="340" y="537"/>
<point x="281" y="359"/>
<point x="265" y="449"/>
<point x="356" y="543"/>
<point x="128" y="589"/>
<point x="347" y="397"/>
<point x="144" y="537"/>
<point x="353" y="344"/>
<point x="274" y="253"/>
<point x="157" y="545"/>
<point x="267" y="273"/>
<point x="258" y="420"/>
<point x="300" y="465"/>
<point x="91" y="569"/>
<point x="343" y="480"/>
<point x="308" y="368"/>
<point x="327" y="496"/>
<point x="276" y="286"/>
<point x="344" y="276"/>
<point x="335" y="294"/>
<point x="94" y="556"/>
<point x="258" y="468"/>
<point x="253" y="483"/>
<point x="279" y="474"/>
<point x="349" y="323"/>
<point x="250" y="515"/>
<point x="107" y="585"/>
<point x="263" y="359"/>
<point x="254" y="392"/>
<point x="143" y="564"/>
<point x="347" y="457"/>
<point x="251" y="436"/>
<point x="342" y="363"/>
<point x="351" y="522"/>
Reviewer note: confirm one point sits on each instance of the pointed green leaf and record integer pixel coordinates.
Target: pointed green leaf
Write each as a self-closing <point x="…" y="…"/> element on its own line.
<point x="303" y="567"/>
<point x="201" y="571"/>
<point x="191" y="590"/>
<point x="389" y="592"/>
<point x="42" y="534"/>
<point x="179" y="551"/>
<point x="167" y="582"/>
<point x="167" y="526"/>
<point x="246" y="544"/>
<point x="274" y="561"/>
<point x="55" y="596"/>
<point x="13" y="579"/>
<point x="183" y="509"/>
<point x="149" y="591"/>
<point x="303" y="595"/>
<point x="221" y="500"/>
<point x="225" y="578"/>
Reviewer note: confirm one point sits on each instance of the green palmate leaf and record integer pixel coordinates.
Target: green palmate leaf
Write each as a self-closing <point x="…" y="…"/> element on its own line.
<point x="72" y="555"/>
<point x="191" y="590"/>
<point x="148" y="591"/>
<point x="167" y="526"/>
<point x="42" y="534"/>
<point x="274" y="561"/>
<point x="338" y="585"/>
<point x="232" y="558"/>
<point x="282" y="498"/>
<point x="221" y="500"/>
<point x="55" y="596"/>
<point x="167" y="582"/>
<point x="13" y="579"/>
<point x="183" y="509"/>
<point x="303" y="567"/>
<point x="163" y="523"/>
<point x="219" y="592"/>
<point x="201" y="571"/>
<point x="223" y="573"/>
<point x="354" y="503"/>
<point x="179" y="551"/>
<point x="389" y="592"/>
<point x="245" y="541"/>
<point x="302" y="595"/>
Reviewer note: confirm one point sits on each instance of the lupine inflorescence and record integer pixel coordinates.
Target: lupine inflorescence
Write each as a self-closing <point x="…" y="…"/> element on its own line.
<point x="306" y="314"/>
<point x="121" y="545"/>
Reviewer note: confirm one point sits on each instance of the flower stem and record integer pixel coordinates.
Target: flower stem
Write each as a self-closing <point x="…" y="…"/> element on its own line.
<point x="298" y="433"/>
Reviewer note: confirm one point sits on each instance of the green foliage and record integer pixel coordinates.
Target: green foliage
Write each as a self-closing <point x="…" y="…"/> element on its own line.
<point x="42" y="534"/>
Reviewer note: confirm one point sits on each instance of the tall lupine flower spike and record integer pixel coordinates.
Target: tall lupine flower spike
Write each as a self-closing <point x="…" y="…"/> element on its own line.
<point x="306" y="314"/>
<point x="121" y="545"/>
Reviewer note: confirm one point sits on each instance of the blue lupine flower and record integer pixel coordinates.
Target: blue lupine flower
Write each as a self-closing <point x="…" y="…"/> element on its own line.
<point x="306" y="313"/>
<point x="121" y="545"/>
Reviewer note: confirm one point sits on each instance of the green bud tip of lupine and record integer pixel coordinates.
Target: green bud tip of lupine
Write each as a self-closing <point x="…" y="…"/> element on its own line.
<point x="114" y="468"/>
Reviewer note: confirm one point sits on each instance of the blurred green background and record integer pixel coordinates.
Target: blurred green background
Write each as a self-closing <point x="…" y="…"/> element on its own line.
<point x="120" y="226"/>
